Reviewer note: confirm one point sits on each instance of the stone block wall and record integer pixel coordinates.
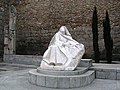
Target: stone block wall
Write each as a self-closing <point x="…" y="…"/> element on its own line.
<point x="38" y="20"/>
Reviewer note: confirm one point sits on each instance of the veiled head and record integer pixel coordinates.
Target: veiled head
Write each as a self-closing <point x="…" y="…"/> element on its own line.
<point x="64" y="30"/>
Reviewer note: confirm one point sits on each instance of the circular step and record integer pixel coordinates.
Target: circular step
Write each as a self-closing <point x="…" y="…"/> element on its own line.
<point x="61" y="81"/>
<point x="78" y="71"/>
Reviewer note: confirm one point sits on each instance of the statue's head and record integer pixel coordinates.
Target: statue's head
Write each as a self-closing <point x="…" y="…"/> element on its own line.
<point x="64" y="30"/>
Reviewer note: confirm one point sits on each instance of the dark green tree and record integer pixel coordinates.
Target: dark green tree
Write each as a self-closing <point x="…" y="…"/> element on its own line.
<point x="107" y="38"/>
<point x="95" y="35"/>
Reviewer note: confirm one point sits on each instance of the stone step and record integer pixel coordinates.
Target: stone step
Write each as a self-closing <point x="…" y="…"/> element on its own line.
<point x="106" y="71"/>
<point x="58" y="81"/>
<point x="85" y="63"/>
<point x="5" y="65"/>
<point x="36" y="60"/>
<point x="78" y="71"/>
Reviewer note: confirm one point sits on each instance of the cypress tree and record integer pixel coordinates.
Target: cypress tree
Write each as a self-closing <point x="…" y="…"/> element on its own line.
<point x="107" y="38"/>
<point x="95" y="35"/>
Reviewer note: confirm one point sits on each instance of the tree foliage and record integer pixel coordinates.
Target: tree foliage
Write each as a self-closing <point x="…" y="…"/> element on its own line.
<point x="95" y="35"/>
<point x="107" y="38"/>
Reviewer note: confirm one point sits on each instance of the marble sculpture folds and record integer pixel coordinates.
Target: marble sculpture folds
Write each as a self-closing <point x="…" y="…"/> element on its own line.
<point x="63" y="53"/>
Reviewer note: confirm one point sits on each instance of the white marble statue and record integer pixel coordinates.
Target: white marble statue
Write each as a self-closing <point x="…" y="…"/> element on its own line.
<point x="63" y="53"/>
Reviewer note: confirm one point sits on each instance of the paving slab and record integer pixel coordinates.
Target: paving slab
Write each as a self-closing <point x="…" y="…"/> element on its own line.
<point x="18" y="80"/>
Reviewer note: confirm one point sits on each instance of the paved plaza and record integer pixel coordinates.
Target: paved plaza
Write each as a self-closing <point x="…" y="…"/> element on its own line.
<point x="15" y="77"/>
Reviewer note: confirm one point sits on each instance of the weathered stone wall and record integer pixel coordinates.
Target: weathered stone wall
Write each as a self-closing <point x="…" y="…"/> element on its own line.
<point x="38" y="20"/>
<point x="1" y="28"/>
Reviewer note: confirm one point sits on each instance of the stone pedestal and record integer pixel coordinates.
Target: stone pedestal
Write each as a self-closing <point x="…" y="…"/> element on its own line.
<point x="82" y="76"/>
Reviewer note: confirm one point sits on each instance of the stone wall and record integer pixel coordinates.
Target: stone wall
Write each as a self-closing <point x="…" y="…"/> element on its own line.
<point x="38" y="20"/>
<point x="1" y="28"/>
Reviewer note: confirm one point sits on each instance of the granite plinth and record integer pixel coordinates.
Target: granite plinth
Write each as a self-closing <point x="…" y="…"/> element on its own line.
<point x="57" y="79"/>
<point x="77" y="71"/>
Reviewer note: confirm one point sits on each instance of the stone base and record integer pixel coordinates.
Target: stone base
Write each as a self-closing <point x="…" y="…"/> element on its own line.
<point x="61" y="79"/>
<point x="78" y="71"/>
<point x="106" y="71"/>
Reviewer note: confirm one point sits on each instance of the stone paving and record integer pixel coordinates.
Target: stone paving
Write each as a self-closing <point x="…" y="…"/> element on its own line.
<point x="16" y="78"/>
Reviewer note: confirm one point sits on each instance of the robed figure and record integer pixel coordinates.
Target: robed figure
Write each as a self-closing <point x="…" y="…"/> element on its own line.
<point x="63" y="53"/>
